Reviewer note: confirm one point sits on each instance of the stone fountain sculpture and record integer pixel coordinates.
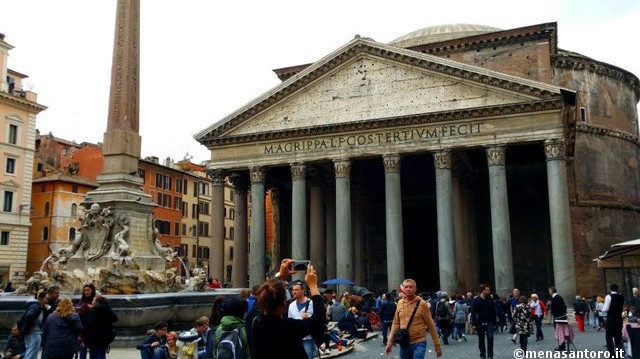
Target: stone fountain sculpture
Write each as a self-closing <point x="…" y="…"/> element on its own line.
<point x="118" y="248"/>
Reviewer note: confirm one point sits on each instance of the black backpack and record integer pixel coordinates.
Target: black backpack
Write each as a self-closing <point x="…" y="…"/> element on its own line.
<point x="442" y="310"/>
<point x="230" y="345"/>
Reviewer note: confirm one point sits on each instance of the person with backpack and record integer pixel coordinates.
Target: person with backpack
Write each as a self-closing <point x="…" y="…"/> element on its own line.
<point x="99" y="332"/>
<point x="443" y="313"/>
<point x="460" y="312"/>
<point x="31" y="322"/>
<point x="230" y="338"/>
<point x="271" y="335"/>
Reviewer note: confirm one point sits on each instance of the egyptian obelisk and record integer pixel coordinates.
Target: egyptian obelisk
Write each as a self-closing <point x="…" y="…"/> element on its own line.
<point x="119" y="183"/>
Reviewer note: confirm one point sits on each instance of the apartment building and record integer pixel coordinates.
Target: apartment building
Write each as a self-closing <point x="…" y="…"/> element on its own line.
<point x="18" y="111"/>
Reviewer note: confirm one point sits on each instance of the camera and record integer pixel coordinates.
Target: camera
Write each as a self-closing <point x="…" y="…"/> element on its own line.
<point x="300" y="265"/>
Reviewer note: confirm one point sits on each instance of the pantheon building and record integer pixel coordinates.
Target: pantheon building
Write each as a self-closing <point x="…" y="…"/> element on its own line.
<point x="454" y="155"/>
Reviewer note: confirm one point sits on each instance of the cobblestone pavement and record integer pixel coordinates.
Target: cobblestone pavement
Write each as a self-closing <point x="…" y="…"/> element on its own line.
<point x="503" y="347"/>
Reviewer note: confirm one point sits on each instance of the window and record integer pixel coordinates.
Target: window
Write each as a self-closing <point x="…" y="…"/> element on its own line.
<point x="232" y="213"/>
<point x="203" y="207"/>
<point x="184" y="229"/>
<point x="43" y="188"/>
<point x="231" y="195"/>
<point x="74" y="188"/>
<point x="45" y="233"/>
<point x="583" y="115"/>
<point x="205" y="252"/>
<point x="195" y="188"/>
<point x="40" y="167"/>
<point x="231" y="253"/>
<point x="184" y="250"/>
<point x="13" y="134"/>
<point x="11" y="165"/>
<point x="8" y="201"/>
<point x="166" y="200"/>
<point x="158" y="180"/>
<point x="74" y="210"/>
<point x="204" y="188"/>
<point x="177" y="203"/>
<point x="163" y="227"/>
<point x="194" y="210"/>
<point x="203" y="229"/>
<point x="184" y="186"/>
<point x="185" y="209"/>
<point x="159" y="201"/>
<point x="47" y="208"/>
<point x="178" y="185"/>
<point x="176" y="228"/>
<point x="4" y="239"/>
<point x="232" y="233"/>
<point x="72" y="233"/>
<point x="167" y="183"/>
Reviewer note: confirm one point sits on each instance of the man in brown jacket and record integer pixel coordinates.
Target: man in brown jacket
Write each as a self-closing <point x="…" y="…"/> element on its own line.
<point x="418" y="329"/>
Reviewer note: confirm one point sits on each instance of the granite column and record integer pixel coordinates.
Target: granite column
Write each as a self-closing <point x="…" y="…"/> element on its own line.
<point x="446" y="230"/>
<point x="393" y="220"/>
<point x="258" y="239"/>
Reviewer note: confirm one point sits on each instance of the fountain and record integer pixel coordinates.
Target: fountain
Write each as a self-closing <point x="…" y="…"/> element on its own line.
<point x="117" y="247"/>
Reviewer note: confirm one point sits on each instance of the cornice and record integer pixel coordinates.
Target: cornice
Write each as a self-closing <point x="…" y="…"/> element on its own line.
<point x="493" y="39"/>
<point x="19" y="101"/>
<point x="366" y="47"/>
<point x="383" y="123"/>
<point x="595" y="130"/>
<point x="571" y="62"/>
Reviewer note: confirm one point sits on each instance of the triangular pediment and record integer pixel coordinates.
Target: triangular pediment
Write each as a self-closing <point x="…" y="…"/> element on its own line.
<point x="10" y="183"/>
<point x="365" y="81"/>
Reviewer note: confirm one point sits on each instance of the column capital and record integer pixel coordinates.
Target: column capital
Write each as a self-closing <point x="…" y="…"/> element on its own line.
<point x="495" y="155"/>
<point x="554" y="149"/>
<point x="257" y="174"/>
<point x="298" y="172"/>
<point x="391" y="163"/>
<point x="217" y="176"/>
<point x="240" y="181"/>
<point x="342" y="167"/>
<point x="443" y="159"/>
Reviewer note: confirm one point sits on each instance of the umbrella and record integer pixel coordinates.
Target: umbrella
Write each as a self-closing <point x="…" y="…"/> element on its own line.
<point x="361" y="291"/>
<point x="337" y="281"/>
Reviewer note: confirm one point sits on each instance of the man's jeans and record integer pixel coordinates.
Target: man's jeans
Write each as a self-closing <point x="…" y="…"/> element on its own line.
<point x="32" y="343"/>
<point x="538" y="320"/>
<point x="309" y="347"/>
<point x="485" y="330"/>
<point x="414" y="351"/>
<point x="386" y="326"/>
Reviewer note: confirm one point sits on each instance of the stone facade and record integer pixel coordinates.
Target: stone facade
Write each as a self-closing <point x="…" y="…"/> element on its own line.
<point x="18" y="111"/>
<point x="506" y="145"/>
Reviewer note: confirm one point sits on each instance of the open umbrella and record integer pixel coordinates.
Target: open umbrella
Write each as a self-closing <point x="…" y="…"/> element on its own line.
<point x="337" y="281"/>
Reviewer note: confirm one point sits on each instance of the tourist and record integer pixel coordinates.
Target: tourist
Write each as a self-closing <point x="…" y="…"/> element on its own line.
<point x="216" y="312"/>
<point x="61" y="332"/>
<point x="172" y="346"/>
<point x="302" y="308"/>
<point x="444" y="317"/>
<point x="15" y="345"/>
<point x="580" y="309"/>
<point x="30" y="324"/>
<point x="337" y="311"/>
<point x="271" y="335"/>
<point x="387" y="312"/>
<point x="234" y="312"/>
<point x="155" y="345"/>
<point x="53" y="298"/>
<point x="350" y="323"/>
<point x="537" y="309"/>
<point x="460" y="312"/>
<point x="205" y="344"/>
<point x="252" y="298"/>
<point x="99" y="331"/>
<point x="84" y="305"/>
<point x="414" y="316"/>
<point x="600" y="313"/>
<point x="483" y="319"/>
<point x="523" y="320"/>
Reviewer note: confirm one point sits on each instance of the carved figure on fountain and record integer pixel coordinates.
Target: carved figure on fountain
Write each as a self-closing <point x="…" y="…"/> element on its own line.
<point x="96" y="228"/>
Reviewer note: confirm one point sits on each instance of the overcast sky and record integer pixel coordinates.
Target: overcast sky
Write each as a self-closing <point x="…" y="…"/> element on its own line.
<point x="203" y="59"/>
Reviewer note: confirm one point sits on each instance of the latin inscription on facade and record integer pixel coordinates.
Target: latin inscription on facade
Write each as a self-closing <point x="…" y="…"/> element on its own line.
<point x="379" y="138"/>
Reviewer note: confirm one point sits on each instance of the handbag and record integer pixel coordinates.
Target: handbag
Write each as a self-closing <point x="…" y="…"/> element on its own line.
<point x="401" y="336"/>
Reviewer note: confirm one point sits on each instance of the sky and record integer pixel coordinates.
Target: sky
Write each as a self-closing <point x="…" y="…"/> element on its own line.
<point x="200" y="60"/>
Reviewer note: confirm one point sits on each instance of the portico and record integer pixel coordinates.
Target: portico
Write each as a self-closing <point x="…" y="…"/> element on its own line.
<point x="391" y="163"/>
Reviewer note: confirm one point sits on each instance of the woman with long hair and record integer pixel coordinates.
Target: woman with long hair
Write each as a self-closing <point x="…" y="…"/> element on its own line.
<point x="60" y="335"/>
<point x="84" y="305"/>
<point x="99" y="328"/>
<point x="273" y="336"/>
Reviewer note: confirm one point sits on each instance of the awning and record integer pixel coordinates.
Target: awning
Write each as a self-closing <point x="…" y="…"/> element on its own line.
<point x="613" y="257"/>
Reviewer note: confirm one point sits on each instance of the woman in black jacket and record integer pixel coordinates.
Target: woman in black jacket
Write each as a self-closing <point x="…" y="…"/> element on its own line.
<point x="98" y="334"/>
<point x="61" y="332"/>
<point x="273" y="336"/>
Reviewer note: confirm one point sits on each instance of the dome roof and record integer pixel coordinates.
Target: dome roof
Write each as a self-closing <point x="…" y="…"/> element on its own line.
<point x="439" y="33"/>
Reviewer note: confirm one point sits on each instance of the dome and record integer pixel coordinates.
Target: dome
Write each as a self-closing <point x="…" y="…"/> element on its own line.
<point x="439" y="33"/>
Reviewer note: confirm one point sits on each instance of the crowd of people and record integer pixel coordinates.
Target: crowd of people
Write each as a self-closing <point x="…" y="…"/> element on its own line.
<point x="306" y="323"/>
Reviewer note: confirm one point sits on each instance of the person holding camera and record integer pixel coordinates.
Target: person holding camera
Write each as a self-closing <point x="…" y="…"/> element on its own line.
<point x="410" y="324"/>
